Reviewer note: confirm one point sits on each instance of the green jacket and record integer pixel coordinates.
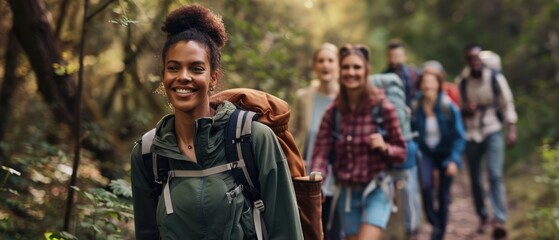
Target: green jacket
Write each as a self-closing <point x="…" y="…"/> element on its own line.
<point x="201" y="208"/>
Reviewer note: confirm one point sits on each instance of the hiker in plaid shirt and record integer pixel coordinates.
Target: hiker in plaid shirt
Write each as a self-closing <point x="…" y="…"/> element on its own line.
<point x="360" y="148"/>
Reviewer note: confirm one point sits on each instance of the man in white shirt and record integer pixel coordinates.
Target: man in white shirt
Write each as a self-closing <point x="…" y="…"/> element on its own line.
<point x="488" y="109"/>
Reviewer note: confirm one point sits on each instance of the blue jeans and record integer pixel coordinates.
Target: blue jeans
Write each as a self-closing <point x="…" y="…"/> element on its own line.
<point x="410" y="199"/>
<point x="491" y="148"/>
<point x="438" y="218"/>
<point x="375" y="210"/>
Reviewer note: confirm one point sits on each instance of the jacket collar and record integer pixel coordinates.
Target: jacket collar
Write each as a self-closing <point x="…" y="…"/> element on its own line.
<point x="165" y="136"/>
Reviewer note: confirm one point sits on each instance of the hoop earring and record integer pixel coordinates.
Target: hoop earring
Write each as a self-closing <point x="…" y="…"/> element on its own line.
<point x="160" y="89"/>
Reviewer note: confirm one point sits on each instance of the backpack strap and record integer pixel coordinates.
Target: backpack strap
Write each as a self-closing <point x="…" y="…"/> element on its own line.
<point x="238" y="147"/>
<point x="462" y="87"/>
<point x="496" y="92"/>
<point x="160" y="167"/>
<point x="336" y="119"/>
<point x="494" y="84"/>
<point x="147" y="140"/>
<point x="377" y="114"/>
<point x="197" y="174"/>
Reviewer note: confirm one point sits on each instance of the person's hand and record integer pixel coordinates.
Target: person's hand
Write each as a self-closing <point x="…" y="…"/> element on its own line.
<point x="511" y="135"/>
<point x="377" y="142"/>
<point x="451" y="169"/>
<point x="468" y="110"/>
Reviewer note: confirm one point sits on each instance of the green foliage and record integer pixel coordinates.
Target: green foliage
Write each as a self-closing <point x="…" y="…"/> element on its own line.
<point x="536" y="118"/>
<point x="8" y="173"/>
<point x="123" y="19"/>
<point x="105" y="212"/>
<point x="550" y="166"/>
<point x="545" y="219"/>
<point x="60" y="236"/>
<point x="266" y="62"/>
<point x="121" y="187"/>
<point x="42" y="168"/>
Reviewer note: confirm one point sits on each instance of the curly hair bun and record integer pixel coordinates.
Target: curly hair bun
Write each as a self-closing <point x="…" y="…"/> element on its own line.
<point x="196" y="17"/>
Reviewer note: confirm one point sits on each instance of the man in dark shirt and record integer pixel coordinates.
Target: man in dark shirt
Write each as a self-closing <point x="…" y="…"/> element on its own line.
<point x="396" y="56"/>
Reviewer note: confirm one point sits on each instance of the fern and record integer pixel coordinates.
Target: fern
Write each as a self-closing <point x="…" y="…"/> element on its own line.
<point x="121" y="187"/>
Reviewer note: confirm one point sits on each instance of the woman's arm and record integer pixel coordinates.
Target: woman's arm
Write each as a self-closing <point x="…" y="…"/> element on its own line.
<point x="458" y="137"/>
<point x="144" y="199"/>
<point x="281" y="213"/>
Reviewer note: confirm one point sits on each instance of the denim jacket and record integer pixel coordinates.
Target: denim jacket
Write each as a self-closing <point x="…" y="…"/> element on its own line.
<point x="451" y="127"/>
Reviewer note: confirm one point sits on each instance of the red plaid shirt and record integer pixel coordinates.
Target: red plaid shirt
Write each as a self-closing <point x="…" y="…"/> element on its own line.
<point x="356" y="162"/>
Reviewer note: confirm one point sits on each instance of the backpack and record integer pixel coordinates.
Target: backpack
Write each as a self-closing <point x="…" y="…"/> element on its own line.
<point x="408" y="88"/>
<point x="453" y="92"/>
<point x="493" y="62"/>
<point x="253" y="105"/>
<point x="395" y="93"/>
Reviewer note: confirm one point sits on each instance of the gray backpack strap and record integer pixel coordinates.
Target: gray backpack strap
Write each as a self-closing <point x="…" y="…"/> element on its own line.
<point x="147" y="140"/>
<point x="244" y="128"/>
<point x="198" y="174"/>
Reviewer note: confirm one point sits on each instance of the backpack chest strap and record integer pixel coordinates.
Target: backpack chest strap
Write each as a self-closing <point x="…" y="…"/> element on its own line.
<point x="205" y="172"/>
<point x="194" y="174"/>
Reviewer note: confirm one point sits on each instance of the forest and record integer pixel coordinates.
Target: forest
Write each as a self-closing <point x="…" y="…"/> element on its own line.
<point x="79" y="82"/>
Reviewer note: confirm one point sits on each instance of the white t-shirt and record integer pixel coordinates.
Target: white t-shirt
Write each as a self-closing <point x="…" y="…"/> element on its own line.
<point x="432" y="132"/>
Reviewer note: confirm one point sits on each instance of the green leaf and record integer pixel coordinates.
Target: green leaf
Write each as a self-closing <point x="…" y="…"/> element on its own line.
<point x="12" y="191"/>
<point x="103" y="194"/>
<point x="60" y="236"/>
<point x="121" y="187"/>
<point x="10" y="170"/>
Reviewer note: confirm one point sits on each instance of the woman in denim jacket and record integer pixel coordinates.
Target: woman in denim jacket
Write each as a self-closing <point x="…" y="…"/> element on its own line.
<point x="441" y="141"/>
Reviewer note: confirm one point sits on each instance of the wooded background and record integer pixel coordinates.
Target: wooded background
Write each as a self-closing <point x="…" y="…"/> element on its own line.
<point x="270" y="48"/>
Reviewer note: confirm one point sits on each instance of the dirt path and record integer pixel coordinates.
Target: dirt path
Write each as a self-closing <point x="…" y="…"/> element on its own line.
<point x="463" y="221"/>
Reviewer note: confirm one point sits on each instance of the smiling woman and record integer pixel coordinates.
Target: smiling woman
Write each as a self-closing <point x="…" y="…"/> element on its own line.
<point x="203" y="200"/>
<point x="188" y="78"/>
<point x="361" y="152"/>
<point x="310" y="104"/>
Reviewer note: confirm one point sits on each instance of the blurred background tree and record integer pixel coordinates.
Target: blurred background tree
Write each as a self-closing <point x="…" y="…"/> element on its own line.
<point x="270" y="48"/>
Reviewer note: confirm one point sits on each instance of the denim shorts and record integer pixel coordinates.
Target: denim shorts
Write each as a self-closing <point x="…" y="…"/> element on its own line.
<point x="375" y="210"/>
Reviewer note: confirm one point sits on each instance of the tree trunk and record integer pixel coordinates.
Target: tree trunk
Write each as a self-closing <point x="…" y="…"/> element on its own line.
<point x="32" y="29"/>
<point x="61" y="17"/>
<point x="9" y="85"/>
